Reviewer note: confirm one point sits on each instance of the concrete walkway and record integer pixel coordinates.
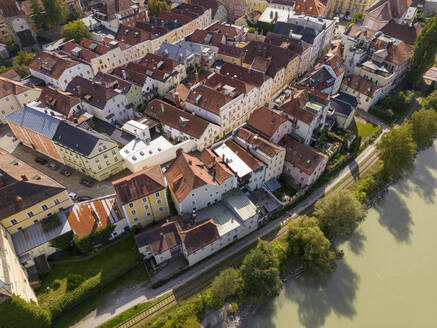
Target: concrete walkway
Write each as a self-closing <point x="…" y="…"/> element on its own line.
<point x="122" y="300"/>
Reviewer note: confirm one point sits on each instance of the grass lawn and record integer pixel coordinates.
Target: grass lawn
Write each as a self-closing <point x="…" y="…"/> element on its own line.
<point x="366" y="130"/>
<point x="80" y="312"/>
<point x="114" y="322"/>
<point x="114" y="259"/>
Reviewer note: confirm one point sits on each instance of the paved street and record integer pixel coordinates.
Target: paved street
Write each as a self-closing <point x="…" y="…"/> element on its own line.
<point x="123" y="301"/>
<point x="28" y="155"/>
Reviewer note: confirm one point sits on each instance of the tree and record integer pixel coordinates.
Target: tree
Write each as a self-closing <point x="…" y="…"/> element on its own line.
<point x="84" y="244"/>
<point x="260" y="273"/>
<point x="63" y="241"/>
<point x="74" y="14"/>
<point x="309" y="244"/>
<point x="76" y="30"/>
<point x="16" y="312"/>
<point x="156" y="7"/>
<point x="358" y="17"/>
<point x="226" y="283"/>
<point x="23" y="58"/>
<point x="430" y="102"/>
<point x="396" y="150"/>
<point x="339" y="213"/>
<point x="38" y="16"/>
<point x="55" y="13"/>
<point x="424" y="51"/>
<point x="424" y="127"/>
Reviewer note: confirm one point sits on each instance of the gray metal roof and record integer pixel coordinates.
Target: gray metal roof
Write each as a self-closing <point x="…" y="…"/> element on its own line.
<point x="35" y="236"/>
<point x="237" y="201"/>
<point x="34" y="120"/>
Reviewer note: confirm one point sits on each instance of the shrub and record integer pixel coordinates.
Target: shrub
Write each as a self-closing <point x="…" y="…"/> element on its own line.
<point x="56" y="284"/>
<point x="84" y="244"/>
<point x="233" y="307"/>
<point x="63" y="241"/>
<point x="74" y="280"/>
<point x="16" y="312"/>
<point x="102" y="234"/>
<point x="212" y="300"/>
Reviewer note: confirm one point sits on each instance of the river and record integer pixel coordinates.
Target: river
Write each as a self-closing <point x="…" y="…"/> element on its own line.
<point x="388" y="277"/>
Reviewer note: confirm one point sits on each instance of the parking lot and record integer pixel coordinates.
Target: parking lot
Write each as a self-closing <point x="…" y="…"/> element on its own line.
<point x="72" y="183"/>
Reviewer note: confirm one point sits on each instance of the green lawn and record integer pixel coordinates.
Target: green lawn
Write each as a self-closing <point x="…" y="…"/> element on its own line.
<point x="366" y="130"/>
<point x="115" y="259"/>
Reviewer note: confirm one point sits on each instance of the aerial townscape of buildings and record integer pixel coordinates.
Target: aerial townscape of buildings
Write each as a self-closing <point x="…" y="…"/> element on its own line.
<point x="191" y="119"/>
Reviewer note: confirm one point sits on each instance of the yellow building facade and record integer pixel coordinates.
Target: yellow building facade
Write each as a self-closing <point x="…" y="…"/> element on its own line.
<point x="349" y="7"/>
<point x="256" y="5"/>
<point x="143" y="196"/>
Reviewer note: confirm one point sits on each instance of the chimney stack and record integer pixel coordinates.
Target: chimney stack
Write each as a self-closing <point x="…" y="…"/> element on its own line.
<point x="123" y="72"/>
<point x="23" y="177"/>
<point x="177" y="99"/>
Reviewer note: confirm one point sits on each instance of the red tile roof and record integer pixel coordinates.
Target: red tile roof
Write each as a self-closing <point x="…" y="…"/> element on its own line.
<point x="160" y="238"/>
<point x="207" y="98"/>
<point x="57" y="100"/>
<point x="86" y="217"/>
<point x="309" y="7"/>
<point x="304" y="157"/>
<point x="254" y="140"/>
<point x="199" y="236"/>
<point x="265" y="121"/>
<point x="244" y="155"/>
<point x="51" y="64"/>
<point x="361" y="85"/>
<point x="294" y="107"/>
<point x="139" y="185"/>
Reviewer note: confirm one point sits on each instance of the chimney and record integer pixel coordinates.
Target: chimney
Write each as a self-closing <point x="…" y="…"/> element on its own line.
<point x="179" y="151"/>
<point x="162" y="107"/>
<point x="162" y="24"/>
<point x="197" y="76"/>
<point x="177" y="99"/>
<point x="193" y="217"/>
<point x="23" y="177"/>
<point x="123" y="72"/>
<point x="223" y="158"/>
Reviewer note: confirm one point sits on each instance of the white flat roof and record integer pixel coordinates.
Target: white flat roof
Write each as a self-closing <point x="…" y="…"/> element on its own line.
<point x="132" y="125"/>
<point x="283" y="14"/>
<point x="137" y="150"/>
<point x="224" y="219"/>
<point x="240" y="203"/>
<point x="233" y="160"/>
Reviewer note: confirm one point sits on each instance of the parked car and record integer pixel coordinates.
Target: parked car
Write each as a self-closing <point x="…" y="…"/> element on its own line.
<point x="54" y="166"/>
<point x="87" y="182"/>
<point x="41" y="160"/>
<point x="66" y="172"/>
<point x="83" y="198"/>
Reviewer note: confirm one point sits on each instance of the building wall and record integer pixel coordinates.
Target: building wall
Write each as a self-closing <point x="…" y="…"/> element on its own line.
<point x="275" y="166"/>
<point x="147" y="210"/>
<point x="36" y="141"/>
<point x="364" y="102"/>
<point x="208" y="138"/>
<point x="108" y="61"/>
<point x="117" y="105"/>
<point x="349" y="7"/>
<point x="161" y="157"/>
<point x="103" y="162"/>
<point x="204" y="196"/>
<point x="43" y="249"/>
<point x="282" y="130"/>
<point x="135" y="96"/>
<point x="11" y="103"/>
<point x="299" y="177"/>
<point x="26" y="217"/>
<point x="253" y="5"/>
<point x="19" y="281"/>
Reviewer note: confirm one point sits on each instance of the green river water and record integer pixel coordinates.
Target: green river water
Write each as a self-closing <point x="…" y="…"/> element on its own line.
<point x="388" y="277"/>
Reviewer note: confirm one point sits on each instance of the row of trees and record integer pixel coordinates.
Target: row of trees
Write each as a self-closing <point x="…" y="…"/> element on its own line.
<point x="307" y="243"/>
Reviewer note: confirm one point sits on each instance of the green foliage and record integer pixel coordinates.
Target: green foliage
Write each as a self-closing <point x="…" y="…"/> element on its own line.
<point x="56" y="284"/>
<point x="339" y="213"/>
<point x="430" y="102"/>
<point x="76" y="31"/>
<point x="358" y="17"/>
<point x="396" y="150"/>
<point x="424" y="127"/>
<point x="425" y="49"/>
<point x="50" y="222"/>
<point x="38" y="16"/>
<point x="74" y="280"/>
<point x="74" y="15"/>
<point x="16" y="312"/>
<point x="391" y="108"/>
<point x="84" y="244"/>
<point x="233" y="307"/>
<point x="186" y="316"/>
<point x="251" y="29"/>
<point x="55" y="13"/>
<point x="262" y="27"/>
<point x="224" y="284"/>
<point x="308" y="243"/>
<point x="62" y="242"/>
<point x="23" y="58"/>
<point x="156" y="7"/>
<point x="100" y="236"/>
<point x="281" y="252"/>
<point x="260" y="273"/>
<point x="368" y="186"/>
<point x="75" y="297"/>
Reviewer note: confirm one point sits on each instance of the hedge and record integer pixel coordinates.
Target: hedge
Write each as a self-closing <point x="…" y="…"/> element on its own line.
<point x="17" y="313"/>
<point x="87" y="289"/>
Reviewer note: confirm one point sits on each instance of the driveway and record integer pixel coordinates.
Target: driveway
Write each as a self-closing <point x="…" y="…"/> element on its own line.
<point x="28" y="155"/>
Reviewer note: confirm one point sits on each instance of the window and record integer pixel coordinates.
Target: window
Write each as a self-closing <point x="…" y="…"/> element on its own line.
<point x="146" y="207"/>
<point x="56" y="201"/>
<point x="135" y="219"/>
<point x="159" y="201"/>
<point x="149" y="214"/>
<point x="133" y="212"/>
<point x="30" y="214"/>
<point x="14" y="222"/>
<point x="157" y="194"/>
<point x="161" y="208"/>
<point x="144" y="200"/>
<point x="131" y="205"/>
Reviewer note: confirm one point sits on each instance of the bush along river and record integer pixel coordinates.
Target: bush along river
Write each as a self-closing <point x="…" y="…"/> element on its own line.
<point x="388" y="275"/>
